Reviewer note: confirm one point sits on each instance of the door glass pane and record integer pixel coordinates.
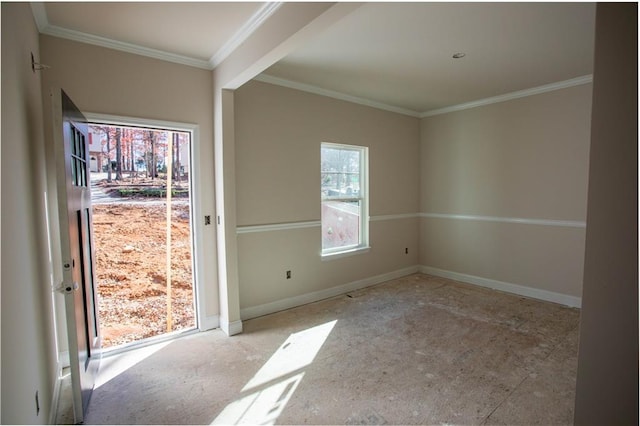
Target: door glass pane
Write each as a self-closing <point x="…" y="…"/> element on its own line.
<point x="90" y="276"/>
<point x="86" y="285"/>
<point x="74" y="179"/>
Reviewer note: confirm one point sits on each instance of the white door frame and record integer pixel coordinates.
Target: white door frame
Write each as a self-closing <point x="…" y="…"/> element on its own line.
<point x="203" y="271"/>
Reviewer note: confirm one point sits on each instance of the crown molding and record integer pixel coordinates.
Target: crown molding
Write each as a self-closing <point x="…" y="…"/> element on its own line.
<point x="248" y="28"/>
<point x="244" y="32"/>
<point x="79" y="36"/>
<point x="513" y="95"/>
<point x="265" y="78"/>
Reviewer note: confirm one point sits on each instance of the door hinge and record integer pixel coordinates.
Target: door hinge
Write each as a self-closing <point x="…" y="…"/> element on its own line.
<point x="66" y="288"/>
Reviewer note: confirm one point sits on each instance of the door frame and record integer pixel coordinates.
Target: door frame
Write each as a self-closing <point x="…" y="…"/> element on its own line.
<point x="203" y="271"/>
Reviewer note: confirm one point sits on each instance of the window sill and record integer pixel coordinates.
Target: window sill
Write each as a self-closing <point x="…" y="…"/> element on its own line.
<point x="345" y="253"/>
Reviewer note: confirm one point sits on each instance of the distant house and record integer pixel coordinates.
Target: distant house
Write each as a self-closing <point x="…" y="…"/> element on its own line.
<point x="95" y="152"/>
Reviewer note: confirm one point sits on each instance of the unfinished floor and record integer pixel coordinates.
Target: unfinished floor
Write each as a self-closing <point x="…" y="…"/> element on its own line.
<point x="415" y="350"/>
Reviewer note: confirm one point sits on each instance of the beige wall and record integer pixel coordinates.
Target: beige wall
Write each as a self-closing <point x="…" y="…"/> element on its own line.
<point x="107" y="81"/>
<point x="278" y="132"/>
<point x="521" y="159"/>
<point x="113" y="82"/>
<point x="28" y="345"/>
<point x="607" y="382"/>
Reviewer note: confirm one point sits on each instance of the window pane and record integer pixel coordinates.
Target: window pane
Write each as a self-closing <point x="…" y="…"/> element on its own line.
<point x="340" y="173"/>
<point x="340" y="224"/>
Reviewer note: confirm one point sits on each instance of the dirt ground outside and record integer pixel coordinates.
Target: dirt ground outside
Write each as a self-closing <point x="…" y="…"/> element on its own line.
<point x="130" y="243"/>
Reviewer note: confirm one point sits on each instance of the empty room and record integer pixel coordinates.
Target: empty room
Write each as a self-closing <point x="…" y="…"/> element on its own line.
<point x="397" y="213"/>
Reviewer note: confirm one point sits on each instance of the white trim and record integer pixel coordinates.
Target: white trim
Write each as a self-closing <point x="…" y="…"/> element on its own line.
<point x="513" y="95"/>
<point x="63" y="362"/>
<point x="344" y="253"/>
<point x="201" y="273"/>
<point x="55" y="400"/>
<point x="118" y="120"/>
<point x="40" y="15"/>
<point x="518" y="220"/>
<point x="235" y="328"/>
<point x="286" y="226"/>
<point x="245" y="31"/>
<point x="230" y="328"/>
<point x="81" y="37"/>
<point x="209" y="322"/>
<point x="277" y="227"/>
<point x="249" y="27"/>
<point x="57" y="386"/>
<point x="146" y="342"/>
<point x="303" y="299"/>
<point x="394" y="216"/>
<point x="534" y="293"/>
<point x="362" y="198"/>
<point x="265" y="78"/>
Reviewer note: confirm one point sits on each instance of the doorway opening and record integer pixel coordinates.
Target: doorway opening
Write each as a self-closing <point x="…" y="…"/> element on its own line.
<point x="142" y="222"/>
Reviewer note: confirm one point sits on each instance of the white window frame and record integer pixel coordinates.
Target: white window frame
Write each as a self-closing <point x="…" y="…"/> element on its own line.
<point x="363" y="243"/>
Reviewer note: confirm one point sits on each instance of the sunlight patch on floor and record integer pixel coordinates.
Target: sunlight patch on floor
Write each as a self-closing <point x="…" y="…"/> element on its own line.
<point x="262" y="407"/>
<point x="113" y="366"/>
<point x="277" y="380"/>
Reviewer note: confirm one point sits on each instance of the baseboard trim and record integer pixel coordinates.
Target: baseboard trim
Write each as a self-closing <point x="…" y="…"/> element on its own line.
<point x="230" y="328"/>
<point x="235" y="328"/>
<point x="55" y="398"/>
<point x="303" y="299"/>
<point x="534" y="293"/>
<point x="63" y="362"/>
<point x="209" y="323"/>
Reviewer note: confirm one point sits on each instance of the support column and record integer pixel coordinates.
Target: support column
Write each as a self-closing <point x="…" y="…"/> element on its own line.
<point x="288" y="27"/>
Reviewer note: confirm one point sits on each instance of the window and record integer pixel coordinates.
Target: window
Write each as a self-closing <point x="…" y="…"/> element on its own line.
<point x="345" y="213"/>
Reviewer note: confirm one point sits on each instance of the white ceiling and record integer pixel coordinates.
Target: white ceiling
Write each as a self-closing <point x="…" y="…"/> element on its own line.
<point x="401" y="53"/>
<point x="395" y="55"/>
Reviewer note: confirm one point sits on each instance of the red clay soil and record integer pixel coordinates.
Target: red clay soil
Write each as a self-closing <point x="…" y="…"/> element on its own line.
<point x="130" y="242"/>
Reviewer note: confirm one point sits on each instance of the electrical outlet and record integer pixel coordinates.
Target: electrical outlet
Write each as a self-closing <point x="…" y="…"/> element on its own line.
<point x="207" y="220"/>
<point x="288" y="274"/>
<point x="406" y="250"/>
<point x="37" y="404"/>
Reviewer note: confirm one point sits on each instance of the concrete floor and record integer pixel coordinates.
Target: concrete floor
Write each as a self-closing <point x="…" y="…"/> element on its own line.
<point x="416" y="350"/>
